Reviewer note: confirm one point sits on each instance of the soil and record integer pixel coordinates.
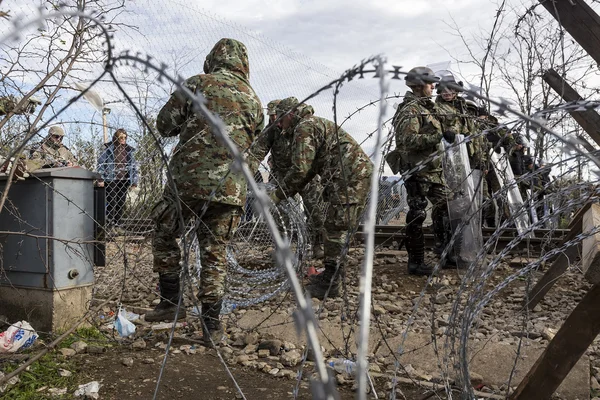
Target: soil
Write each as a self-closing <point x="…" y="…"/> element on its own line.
<point x="193" y="376"/>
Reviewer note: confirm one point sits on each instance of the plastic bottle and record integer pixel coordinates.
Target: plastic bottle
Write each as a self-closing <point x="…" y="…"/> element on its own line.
<point x="343" y="365"/>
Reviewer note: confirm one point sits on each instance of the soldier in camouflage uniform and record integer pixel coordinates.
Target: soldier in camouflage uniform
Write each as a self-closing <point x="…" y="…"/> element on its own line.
<point x="51" y="152"/>
<point x="452" y="111"/>
<point x="9" y="103"/>
<point x="418" y="135"/>
<point x="201" y="168"/>
<point x="497" y="137"/>
<point x="321" y="148"/>
<point x="279" y="143"/>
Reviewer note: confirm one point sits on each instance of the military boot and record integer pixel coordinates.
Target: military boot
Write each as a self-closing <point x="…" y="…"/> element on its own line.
<point x="416" y="260"/>
<point x="327" y="282"/>
<point x="212" y="329"/>
<point x="169" y="293"/>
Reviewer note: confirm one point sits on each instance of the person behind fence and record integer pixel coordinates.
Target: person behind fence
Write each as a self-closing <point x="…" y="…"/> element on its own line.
<point x="279" y="142"/>
<point x="319" y="147"/>
<point x="51" y="152"/>
<point x="453" y="113"/>
<point x="418" y="134"/>
<point x="10" y="104"/>
<point x="498" y="137"/>
<point x="202" y="173"/>
<point x="118" y="173"/>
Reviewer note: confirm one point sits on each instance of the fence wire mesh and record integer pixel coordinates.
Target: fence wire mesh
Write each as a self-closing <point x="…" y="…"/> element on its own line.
<point x="103" y="70"/>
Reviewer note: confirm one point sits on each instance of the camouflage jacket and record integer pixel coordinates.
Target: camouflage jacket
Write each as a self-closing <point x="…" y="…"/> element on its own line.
<point x="455" y="117"/>
<point x="48" y="154"/>
<point x="279" y="143"/>
<point x="321" y="148"/>
<point x="201" y="163"/>
<point x="418" y="135"/>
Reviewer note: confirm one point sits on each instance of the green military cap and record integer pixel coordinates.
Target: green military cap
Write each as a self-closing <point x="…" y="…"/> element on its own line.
<point x="272" y="107"/>
<point x="286" y="105"/>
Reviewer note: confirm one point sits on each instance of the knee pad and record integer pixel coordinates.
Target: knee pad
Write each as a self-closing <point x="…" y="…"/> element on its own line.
<point x="415" y="217"/>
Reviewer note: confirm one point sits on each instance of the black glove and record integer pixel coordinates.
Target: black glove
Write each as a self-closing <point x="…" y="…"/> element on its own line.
<point x="449" y="136"/>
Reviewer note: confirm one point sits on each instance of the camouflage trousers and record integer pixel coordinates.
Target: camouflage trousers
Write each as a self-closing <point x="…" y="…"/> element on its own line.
<point x="312" y="197"/>
<point x="214" y="232"/>
<point x="341" y="221"/>
<point x="418" y="191"/>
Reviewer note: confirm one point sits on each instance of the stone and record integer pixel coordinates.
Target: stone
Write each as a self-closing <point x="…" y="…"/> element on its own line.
<point x="64" y="372"/>
<point x="291" y="358"/>
<point x="393" y="308"/>
<point x="68" y="352"/>
<point x="242" y="358"/>
<point x="476" y="379"/>
<point x="549" y="333"/>
<point x="79" y="347"/>
<point x="440" y="299"/>
<point x="263" y="353"/>
<point x="127" y="361"/>
<point x="251" y="348"/>
<point x="594" y="383"/>
<point x="274" y="371"/>
<point x="378" y="310"/>
<point x="139" y="344"/>
<point x="274" y="346"/>
<point x="148" y="360"/>
<point x="251" y="338"/>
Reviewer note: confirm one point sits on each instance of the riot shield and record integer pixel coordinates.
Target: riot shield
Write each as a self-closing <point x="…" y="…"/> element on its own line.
<point x="464" y="200"/>
<point x="506" y="178"/>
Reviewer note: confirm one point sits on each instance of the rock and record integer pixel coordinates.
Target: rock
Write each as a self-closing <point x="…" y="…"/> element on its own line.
<point x="251" y="338"/>
<point x="440" y="299"/>
<point x="68" y="352"/>
<point x="242" y="358"/>
<point x="288" y="373"/>
<point x="378" y="310"/>
<point x="79" y="347"/>
<point x="287" y="346"/>
<point x="148" y="360"/>
<point x="263" y="353"/>
<point x="393" y="308"/>
<point x="274" y="371"/>
<point x="251" y="348"/>
<point x="291" y="358"/>
<point x="188" y="349"/>
<point x="139" y="344"/>
<point x="476" y="379"/>
<point x="56" y="392"/>
<point x="274" y="346"/>
<point x="537" y="308"/>
<point x="64" y="372"/>
<point x="549" y="333"/>
<point x="594" y="383"/>
<point x="127" y="361"/>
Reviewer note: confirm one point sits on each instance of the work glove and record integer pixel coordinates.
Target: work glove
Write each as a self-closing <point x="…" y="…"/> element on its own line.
<point x="273" y="197"/>
<point x="449" y="136"/>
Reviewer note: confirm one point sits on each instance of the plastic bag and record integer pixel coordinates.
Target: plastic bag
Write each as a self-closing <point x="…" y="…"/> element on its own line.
<point x="18" y="336"/>
<point x="125" y="327"/>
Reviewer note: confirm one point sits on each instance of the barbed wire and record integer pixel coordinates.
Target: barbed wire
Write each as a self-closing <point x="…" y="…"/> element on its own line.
<point x="268" y="283"/>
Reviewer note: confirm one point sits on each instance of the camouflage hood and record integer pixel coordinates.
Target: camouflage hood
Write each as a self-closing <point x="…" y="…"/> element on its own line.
<point x="229" y="55"/>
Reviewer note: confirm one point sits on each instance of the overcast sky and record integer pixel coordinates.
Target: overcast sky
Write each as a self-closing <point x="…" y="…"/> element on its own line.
<point x="297" y="46"/>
